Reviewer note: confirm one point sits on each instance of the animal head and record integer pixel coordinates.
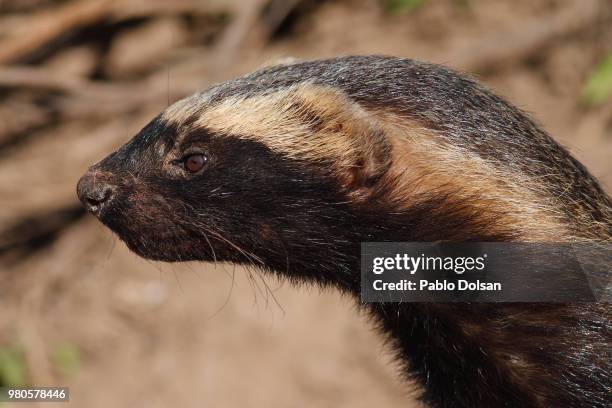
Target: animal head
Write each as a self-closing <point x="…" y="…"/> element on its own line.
<point x="227" y="179"/>
<point x="317" y="157"/>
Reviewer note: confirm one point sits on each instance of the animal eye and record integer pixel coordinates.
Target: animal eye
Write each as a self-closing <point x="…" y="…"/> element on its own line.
<point x="194" y="162"/>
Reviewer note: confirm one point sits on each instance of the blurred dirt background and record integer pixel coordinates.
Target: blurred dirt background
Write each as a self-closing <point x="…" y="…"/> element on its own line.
<point x="79" y="77"/>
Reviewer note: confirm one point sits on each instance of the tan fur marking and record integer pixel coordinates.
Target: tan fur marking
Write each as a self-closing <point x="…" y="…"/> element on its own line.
<point x="422" y="164"/>
<point x="284" y="121"/>
<point x="322" y="125"/>
<point x="182" y="111"/>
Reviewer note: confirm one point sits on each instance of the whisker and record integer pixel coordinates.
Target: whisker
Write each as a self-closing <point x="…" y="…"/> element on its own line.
<point x="227" y="298"/>
<point x="253" y="260"/>
<point x="178" y="281"/>
<point x="212" y="250"/>
<point x="113" y="242"/>
<point x="252" y="284"/>
<point x="250" y="256"/>
<point x="269" y="292"/>
<point x="193" y="270"/>
<point x="217" y="234"/>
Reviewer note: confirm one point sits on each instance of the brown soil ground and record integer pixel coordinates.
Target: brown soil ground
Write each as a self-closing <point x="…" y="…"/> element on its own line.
<point x="198" y="335"/>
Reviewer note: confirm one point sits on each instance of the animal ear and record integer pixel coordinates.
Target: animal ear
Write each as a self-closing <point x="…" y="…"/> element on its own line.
<point x="369" y="161"/>
<point x="352" y="140"/>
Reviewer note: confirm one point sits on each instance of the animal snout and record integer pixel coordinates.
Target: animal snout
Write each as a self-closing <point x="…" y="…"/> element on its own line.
<point x="95" y="191"/>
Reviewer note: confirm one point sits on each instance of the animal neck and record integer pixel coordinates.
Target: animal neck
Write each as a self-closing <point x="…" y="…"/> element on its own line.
<point x="427" y="337"/>
<point x="331" y="256"/>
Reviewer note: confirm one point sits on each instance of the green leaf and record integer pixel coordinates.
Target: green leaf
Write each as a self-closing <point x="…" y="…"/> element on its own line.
<point x="67" y="359"/>
<point x="13" y="371"/>
<point x="598" y="87"/>
<point x="401" y="6"/>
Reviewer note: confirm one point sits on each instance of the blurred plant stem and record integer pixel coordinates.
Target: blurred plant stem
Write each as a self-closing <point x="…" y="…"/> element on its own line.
<point x="13" y="371"/>
<point x="598" y="86"/>
<point x="401" y="6"/>
<point x="67" y="359"/>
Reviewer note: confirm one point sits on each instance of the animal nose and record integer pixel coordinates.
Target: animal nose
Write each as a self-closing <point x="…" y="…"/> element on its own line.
<point x="95" y="192"/>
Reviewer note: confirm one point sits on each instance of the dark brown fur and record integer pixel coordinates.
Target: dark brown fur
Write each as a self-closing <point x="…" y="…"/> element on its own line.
<point x="306" y="161"/>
